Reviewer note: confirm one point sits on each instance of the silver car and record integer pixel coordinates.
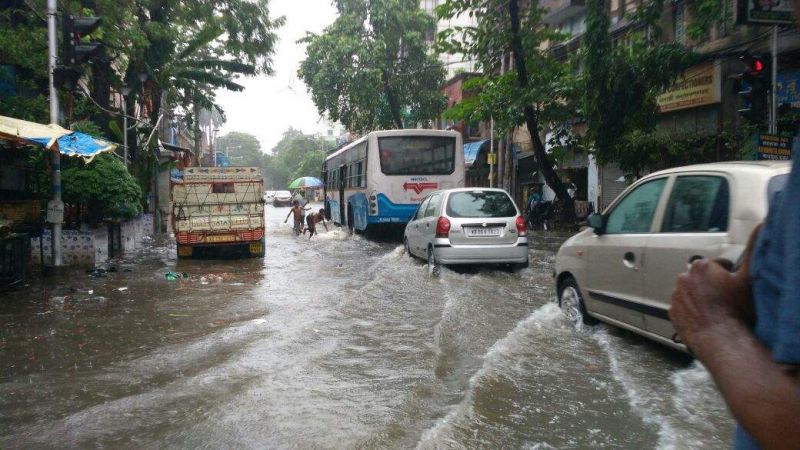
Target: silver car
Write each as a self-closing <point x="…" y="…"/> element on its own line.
<point x="622" y="270"/>
<point x="282" y="198"/>
<point x="467" y="226"/>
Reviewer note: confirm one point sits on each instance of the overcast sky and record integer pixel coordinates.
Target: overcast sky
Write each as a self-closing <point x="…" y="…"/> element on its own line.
<point x="270" y="105"/>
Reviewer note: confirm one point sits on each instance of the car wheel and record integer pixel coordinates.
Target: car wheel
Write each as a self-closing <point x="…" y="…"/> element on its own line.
<point x="571" y="303"/>
<point x="433" y="266"/>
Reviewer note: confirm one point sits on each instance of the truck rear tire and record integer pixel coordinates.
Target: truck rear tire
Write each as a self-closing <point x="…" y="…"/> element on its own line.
<point x="185" y="251"/>
<point x="257" y="249"/>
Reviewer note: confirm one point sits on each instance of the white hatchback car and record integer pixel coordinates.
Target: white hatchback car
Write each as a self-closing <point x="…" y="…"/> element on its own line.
<point x="282" y="198"/>
<point x="467" y="226"/>
<point x="623" y="269"/>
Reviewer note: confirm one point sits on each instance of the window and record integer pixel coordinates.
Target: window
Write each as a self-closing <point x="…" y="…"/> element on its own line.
<point x="222" y="188"/>
<point x="359" y="174"/>
<point x="698" y="204"/>
<point x="634" y="214"/>
<point x="417" y="155"/>
<point x="433" y="205"/>
<point x="480" y="204"/>
<point x="421" y="210"/>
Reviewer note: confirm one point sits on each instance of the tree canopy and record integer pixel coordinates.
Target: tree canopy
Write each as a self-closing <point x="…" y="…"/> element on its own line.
<point x="621" y="83"/>
<point x="243" y="149"/>
<point x="533" y="87"/>
<point x="372" y="69"/>
<point x="295" y="155"/>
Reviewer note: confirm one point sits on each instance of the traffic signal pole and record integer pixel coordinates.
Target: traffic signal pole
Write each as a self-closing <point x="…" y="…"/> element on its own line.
<point x="773" y="107"/>
<point x="52" y="11"/>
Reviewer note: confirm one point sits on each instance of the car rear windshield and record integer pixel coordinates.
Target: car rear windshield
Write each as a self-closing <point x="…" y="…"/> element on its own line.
<point x="479" y="204"/>
<point x="417" y="155"/>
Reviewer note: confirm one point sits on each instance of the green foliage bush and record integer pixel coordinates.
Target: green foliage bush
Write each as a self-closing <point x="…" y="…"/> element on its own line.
<point x="105" y="185"/>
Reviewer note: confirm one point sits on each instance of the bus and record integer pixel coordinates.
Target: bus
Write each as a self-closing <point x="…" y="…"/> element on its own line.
<point x="381" y="178"/>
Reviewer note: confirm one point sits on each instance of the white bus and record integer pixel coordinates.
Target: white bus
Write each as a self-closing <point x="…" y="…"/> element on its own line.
<point x="381" y="178"/>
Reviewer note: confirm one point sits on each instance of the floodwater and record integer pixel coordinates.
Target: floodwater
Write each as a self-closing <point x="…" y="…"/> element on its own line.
<point x="336" y="342"/>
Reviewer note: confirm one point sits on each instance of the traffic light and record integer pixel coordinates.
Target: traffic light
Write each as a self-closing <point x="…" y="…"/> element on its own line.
<point x="74" y="51"/>
<point x="74" y="29"/>
<point x="753" y="87"/>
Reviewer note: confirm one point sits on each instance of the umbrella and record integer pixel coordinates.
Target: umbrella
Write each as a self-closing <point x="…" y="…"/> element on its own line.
<point x="305" y="182"/>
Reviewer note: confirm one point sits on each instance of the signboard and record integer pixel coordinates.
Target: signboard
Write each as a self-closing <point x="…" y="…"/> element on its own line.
<point x="699" y="86"/>
<point x="766" y="12"/>
<point x="211" y="174"/>
<point x="55" y="211"/>
<point x="788" y="84"/>
<point x="774" y="147"/>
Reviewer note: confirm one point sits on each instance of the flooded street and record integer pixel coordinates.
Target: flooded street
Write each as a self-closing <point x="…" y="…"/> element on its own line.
<point x="337" y="342"/>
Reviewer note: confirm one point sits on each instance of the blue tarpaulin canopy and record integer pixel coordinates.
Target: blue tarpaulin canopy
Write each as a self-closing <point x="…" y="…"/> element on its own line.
<point x="68" y="142"/>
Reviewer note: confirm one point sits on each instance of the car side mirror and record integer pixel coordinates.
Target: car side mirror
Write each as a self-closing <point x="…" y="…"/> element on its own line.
<point x="597" y="222"/>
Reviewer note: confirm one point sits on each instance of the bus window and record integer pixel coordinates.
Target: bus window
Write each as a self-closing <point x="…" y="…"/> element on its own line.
<point x="417" y="155"/>
<point x="359" y="174"/>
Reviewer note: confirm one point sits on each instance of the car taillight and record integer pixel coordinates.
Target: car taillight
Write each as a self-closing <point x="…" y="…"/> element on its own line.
<point x="521" y="229"/>
<point x="442" y="227"/>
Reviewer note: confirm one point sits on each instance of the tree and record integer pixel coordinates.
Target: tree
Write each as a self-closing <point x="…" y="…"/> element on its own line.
<point x="295" y="155"/>
<point x="371" y="69"/>
<point x="242" y="149"/>
<point x="541" y="99"/>
<point x="621" y="84"/>
<point x="105" y="186"/>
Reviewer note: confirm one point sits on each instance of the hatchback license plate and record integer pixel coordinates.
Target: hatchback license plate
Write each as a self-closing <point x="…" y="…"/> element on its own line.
<point x="483" y="232"/>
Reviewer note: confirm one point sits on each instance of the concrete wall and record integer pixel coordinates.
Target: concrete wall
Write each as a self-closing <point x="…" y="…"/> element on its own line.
<point x="89" y="248"/>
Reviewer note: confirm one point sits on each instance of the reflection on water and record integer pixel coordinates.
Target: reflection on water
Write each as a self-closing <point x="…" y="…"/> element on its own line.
<point x="333" y="342"/>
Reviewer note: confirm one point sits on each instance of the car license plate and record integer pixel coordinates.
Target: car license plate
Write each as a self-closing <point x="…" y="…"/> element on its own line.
<point x="483" y="232"/>
<point x="220" y="238"/>
<point x="256" y="248"/>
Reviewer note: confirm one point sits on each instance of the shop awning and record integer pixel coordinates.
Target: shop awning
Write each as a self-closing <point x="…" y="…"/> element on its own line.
<point x="471" y="151"/>
<point x="68" y="142"/>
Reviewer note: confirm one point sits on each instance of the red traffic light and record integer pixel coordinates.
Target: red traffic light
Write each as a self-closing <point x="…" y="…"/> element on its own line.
<point x="755" y="65"/>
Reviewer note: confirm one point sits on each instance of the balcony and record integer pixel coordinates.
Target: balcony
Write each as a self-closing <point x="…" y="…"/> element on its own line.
<point x="559" y="11"/>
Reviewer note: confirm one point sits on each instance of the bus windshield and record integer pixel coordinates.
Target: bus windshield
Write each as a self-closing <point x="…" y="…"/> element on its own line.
<point x="417" y="155"/>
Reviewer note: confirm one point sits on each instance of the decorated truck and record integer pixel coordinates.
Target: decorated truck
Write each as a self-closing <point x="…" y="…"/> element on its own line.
<point x="218" y="209"/>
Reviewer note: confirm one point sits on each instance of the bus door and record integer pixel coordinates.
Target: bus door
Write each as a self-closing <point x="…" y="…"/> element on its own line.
<point x="342" y="183"/>
<point x="325" y="198"/>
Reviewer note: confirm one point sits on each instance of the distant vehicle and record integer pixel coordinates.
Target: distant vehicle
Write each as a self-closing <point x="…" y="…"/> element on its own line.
<point x="468" y="226"/>
<point x="269" y="196"/>
<point x="623" y="269"/>
<point x="282" y="198"/>
<point x="218" y="208"/>
<point x="381" y="178"/>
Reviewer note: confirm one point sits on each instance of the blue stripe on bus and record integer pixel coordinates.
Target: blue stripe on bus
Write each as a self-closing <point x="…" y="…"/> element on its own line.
<point x="389" y="212"/>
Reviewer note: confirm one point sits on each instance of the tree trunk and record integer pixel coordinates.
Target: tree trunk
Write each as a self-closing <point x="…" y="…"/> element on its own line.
<point x="130" y="111"/>
<point x="196" y="131"/>
<point x="101" y="91"/>
<point x="394" y="107"/>
<point x="566" y="203"/>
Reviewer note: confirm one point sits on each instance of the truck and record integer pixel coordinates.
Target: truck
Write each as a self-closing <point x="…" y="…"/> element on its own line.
<point x="218" y="209"/>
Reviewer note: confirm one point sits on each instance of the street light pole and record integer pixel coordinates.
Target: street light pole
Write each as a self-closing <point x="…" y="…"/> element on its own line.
<point x="56" y="250"/>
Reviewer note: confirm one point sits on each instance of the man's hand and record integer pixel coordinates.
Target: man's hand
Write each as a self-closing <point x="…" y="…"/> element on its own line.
<point x="709" y="295"/>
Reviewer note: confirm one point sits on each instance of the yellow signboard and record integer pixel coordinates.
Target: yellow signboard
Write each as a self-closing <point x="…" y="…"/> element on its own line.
<point x="699" y="86"/>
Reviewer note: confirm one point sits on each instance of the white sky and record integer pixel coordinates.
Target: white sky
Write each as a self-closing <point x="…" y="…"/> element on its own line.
<point x="270" y="105"/>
